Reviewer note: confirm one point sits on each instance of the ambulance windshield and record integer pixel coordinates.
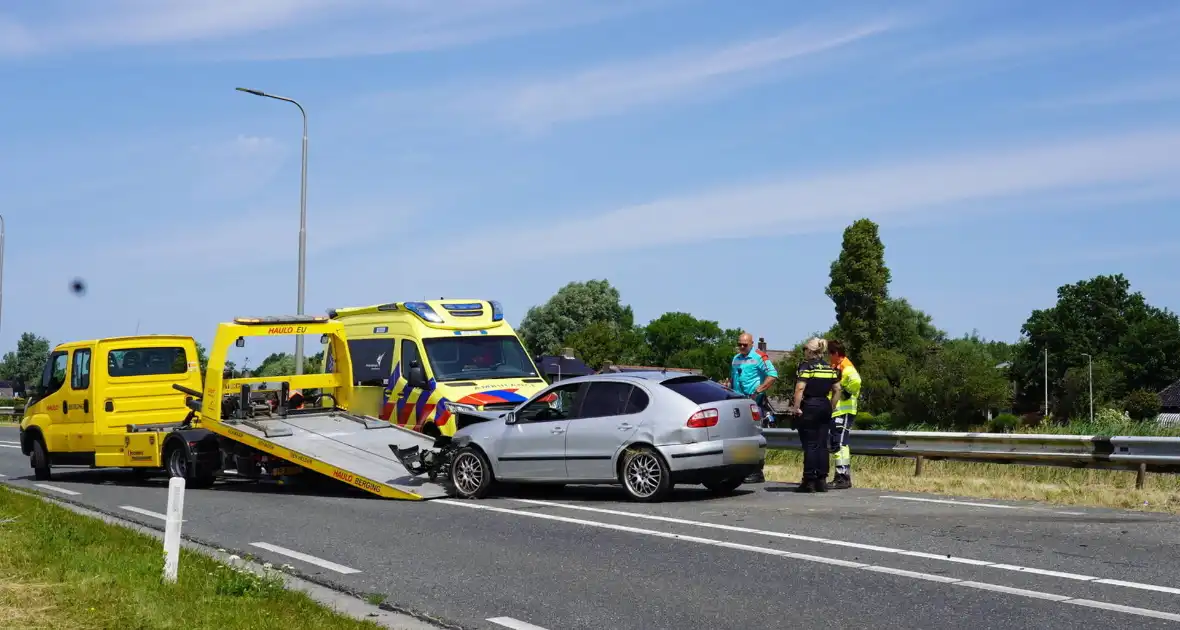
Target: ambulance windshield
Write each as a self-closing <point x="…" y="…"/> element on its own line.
<point x="472" y="358"/>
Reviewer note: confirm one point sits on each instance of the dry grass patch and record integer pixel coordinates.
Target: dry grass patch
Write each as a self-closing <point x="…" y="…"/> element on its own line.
<point x="1064" y="486"/>
<point x="63" y="570"/>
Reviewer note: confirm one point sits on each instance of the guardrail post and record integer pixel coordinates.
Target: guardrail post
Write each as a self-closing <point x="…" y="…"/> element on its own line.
<point x="172" y="528"/>
<point x="1141" y="476"/>
<point x="918" y="461"/>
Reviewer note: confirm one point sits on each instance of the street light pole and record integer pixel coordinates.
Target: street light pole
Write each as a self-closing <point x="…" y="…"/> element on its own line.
<point x="1090" y="371"/>
<point x="302" y="219"/>
<point x="1046" y="381"/>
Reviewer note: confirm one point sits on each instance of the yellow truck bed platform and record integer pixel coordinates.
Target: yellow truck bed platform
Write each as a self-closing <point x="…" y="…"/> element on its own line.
<point x="350" y="448"/>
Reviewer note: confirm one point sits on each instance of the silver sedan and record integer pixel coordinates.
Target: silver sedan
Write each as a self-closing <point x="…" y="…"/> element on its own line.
<point x="643" y="430"/>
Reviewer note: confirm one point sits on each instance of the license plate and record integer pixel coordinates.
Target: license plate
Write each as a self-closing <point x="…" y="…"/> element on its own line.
<point x="286" y="470"/>
<point x="744" y="453"/>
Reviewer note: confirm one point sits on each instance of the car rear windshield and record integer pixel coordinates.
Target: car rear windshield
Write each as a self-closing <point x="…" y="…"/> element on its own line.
<point x="700" y="390"/>
<point x="145" y="361"/>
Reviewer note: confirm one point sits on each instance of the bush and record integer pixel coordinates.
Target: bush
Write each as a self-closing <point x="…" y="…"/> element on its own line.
<point x="1003" y="423"/>
<point x="1143" y="404"/>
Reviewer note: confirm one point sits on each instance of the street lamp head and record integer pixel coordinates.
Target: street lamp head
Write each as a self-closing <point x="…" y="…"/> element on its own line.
<point x="249" y="91"/>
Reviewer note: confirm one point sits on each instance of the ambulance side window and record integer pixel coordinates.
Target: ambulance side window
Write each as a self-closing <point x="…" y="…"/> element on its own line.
<point x="410" y="353"/>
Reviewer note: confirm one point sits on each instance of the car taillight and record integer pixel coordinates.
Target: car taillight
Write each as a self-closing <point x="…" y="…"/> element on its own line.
<point x="703" y="418"/>
<point x="757" y="413"/>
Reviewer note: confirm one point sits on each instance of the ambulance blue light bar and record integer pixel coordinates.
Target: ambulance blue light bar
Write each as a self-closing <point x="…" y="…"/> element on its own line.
<point x="423" y="310"/>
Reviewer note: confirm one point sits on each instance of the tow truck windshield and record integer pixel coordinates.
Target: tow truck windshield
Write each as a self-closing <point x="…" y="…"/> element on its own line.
<point x="464" y="358"/>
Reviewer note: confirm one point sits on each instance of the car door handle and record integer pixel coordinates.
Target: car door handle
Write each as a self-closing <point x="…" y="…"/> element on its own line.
<point x="86" y="405"/>
<point x="557" y="430"/>
<point x="625" y="426"/>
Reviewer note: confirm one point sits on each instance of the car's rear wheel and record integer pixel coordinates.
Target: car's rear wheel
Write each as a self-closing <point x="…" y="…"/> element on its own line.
<point x="645" y="475"/>
<point x="471" y="474"/>
<point x="723" y="485"/>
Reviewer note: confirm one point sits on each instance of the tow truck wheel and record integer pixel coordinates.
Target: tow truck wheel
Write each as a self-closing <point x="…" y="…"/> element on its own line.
<point x="39" y="460"/>
<point x="471" y="474"/>
<point x="176" y="462"/>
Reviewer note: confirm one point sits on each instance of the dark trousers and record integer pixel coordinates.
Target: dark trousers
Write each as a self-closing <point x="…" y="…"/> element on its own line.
<point x="815" y="427"/>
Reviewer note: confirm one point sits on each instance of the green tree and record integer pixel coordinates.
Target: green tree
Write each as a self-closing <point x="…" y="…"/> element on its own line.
<point x="905" y="329"/>
<point x="607" y="342"/>
<point x="859" y="285"/>
<point x="680" y="340"/>
<point x="283" y="364"/>
<point x="1142" y="404"/>
<point x="575" y="306"/>
<point x="202" y="358"/>
<point x="954" y="387"/>
<point x="1073" y="401"/>
<point x="1101" y="317"/>
<point x="25" y="365"/>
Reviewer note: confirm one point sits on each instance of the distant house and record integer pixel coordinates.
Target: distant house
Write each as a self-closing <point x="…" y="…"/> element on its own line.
<point x="647" y="368"/>
<point x="775" y="355"/>
<point x="558" y="368"/>
<point x="8" y="389"/>
<point x="1170" y="405"/>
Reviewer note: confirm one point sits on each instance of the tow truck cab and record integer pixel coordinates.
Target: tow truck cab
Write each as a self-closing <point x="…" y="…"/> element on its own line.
<point x="410" y="358"/>
<point x="104" y="402"/>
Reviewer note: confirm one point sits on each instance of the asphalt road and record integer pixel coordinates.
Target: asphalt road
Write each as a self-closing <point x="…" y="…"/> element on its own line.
<point x="585" y="558"/>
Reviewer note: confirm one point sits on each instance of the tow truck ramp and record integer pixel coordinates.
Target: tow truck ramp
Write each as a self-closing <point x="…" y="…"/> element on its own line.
<point x="346" y="447"/>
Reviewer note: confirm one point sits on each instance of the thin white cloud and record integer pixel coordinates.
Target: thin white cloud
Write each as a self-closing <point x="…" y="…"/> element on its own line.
<point x="1015" y="46"/>
<point x="281" y="29"/>
<point x="625" y="86"/>
<point x="1156" y="90"/>
<point x="534" y="105"/>
<point x="824" y="201"/>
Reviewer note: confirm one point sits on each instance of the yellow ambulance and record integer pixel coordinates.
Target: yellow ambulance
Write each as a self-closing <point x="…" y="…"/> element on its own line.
<point x="409" y="358"/>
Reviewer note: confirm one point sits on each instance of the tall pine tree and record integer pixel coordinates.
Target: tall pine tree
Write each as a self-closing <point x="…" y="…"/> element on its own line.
<point x="859" y="285"/>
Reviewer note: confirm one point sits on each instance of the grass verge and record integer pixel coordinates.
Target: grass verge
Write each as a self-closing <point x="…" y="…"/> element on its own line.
<point x="1065" y="486"/>
<point x="67" y="571"/>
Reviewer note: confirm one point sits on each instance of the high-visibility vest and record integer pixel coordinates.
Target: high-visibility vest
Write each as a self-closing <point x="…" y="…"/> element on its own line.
<point x="849" y="386"/>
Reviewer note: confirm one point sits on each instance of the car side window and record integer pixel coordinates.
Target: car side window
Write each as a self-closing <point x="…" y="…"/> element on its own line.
<point x="80" y="375"/>
<point x="606" y="398"/>
<point x="637" y="401"/>
<point x="55" y="372"/>
<point x="410" y="353"/>
<point x="559" y="403"/>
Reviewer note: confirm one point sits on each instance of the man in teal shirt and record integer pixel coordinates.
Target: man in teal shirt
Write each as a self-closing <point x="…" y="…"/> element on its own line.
<point x="751" y="374"/>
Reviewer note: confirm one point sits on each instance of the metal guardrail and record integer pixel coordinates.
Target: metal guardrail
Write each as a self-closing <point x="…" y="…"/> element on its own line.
<point x="1140" y="454"/>
<point x="11" y="411"/>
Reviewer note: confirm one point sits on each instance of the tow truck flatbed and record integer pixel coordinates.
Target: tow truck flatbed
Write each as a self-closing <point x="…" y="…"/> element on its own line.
<point x="346" y="447"/>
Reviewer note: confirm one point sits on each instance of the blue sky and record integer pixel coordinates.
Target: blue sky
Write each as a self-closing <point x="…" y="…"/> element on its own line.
<point x="498" y="149"/>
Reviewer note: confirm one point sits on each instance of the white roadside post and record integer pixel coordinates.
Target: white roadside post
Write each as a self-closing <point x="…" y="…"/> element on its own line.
<point x="172" y="527"/>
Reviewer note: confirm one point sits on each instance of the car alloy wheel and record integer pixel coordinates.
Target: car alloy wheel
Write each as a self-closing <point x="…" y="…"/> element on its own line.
<point x="468" y="473"/>
<point x="643" y="474"/>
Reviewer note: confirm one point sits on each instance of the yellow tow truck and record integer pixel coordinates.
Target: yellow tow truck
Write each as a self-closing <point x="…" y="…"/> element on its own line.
<point x="203" y="430"/>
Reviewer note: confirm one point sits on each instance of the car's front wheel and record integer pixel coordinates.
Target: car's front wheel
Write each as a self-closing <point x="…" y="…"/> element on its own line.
<point x="470" y="474"/>
<point x="645" y="475"/>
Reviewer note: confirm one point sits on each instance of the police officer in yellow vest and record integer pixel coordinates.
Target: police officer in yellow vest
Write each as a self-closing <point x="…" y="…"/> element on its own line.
<point x="843" y="414"/>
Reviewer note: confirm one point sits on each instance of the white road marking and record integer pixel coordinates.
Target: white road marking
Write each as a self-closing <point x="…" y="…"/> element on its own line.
<point x="817" y="559"/>
<point x="132" y="508"/>
<point x="9" y="445"/>
<point x="984" y="505"/>
<point x="844" y="543"/>
<point x="331" y="566"/>
<point x="9" y="442"/>
<point x="515" y="624"/>
<point x="56" y="489"/>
